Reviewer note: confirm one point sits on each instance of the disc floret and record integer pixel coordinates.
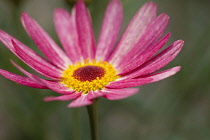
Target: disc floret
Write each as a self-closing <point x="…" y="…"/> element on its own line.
<point x="89" y="76"/>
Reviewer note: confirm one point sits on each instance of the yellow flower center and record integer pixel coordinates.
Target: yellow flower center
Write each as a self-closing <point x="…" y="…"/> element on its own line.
<point x="88" y="76"/>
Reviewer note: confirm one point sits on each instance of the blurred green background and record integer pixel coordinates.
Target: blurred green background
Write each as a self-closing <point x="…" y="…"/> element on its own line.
<point x="177" y="108"/>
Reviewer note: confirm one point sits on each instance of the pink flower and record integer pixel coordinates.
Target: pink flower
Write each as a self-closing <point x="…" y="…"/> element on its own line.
<point x="87" y="70"/>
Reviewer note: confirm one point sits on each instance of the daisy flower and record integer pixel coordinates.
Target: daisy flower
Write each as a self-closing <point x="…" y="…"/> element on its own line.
<point x="86" y="70"/>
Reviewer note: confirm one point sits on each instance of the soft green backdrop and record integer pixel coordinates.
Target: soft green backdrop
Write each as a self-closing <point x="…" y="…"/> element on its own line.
<point x="177" y="108"/>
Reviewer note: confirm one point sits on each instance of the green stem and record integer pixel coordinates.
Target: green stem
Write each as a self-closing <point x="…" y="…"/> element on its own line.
<point x="93" y="117"/>
<point x="76" y="124"/>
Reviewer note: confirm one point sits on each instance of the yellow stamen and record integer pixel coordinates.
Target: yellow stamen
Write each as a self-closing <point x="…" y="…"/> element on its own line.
<point x="82" y="82"/>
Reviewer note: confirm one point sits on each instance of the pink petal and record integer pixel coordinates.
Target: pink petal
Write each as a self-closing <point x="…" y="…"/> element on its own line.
<point x="53" y="85"/>
<point x="35" y="63"/>
<point x="83" y="100"/>
<point x="159" y="61"/>
<point x="21" y="80"/>
<point x="44" y="42"/>
<point x="144" y="80"/>
<point x="134" y="31"/>
<point x="57" y="87"/>
<point x="95" y="94"/>
<point x="150" y="35"/>
<point x="67" y="32"/>
<point x="116" y="94"/>
<point x="128" y="83"/>
<point x="125" y="68"/>
<point x="85" y="31"/>
<point x="62" y="97"/>
<point x="110" y="29"/>
<point x="21" y="69"/>
<point x="46" y="66"/>
<point x="164" y="74"/>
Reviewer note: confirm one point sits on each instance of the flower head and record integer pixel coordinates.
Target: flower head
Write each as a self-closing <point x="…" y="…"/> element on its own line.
<point x="86" y="70"/>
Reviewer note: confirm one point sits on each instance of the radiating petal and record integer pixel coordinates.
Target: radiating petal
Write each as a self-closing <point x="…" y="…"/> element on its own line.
<point x="85" y="31"/>
<point x="53" y="85"/>
<point x="128" y="83"/>
<point x="110" y="29"/>
<point x="144" y="80"/>
<point x="159" y="61"/>
<point x="163" y="74"/>
<point x="139" y="60"/>
<point x="117" y="94"/>
<point x="67" y="32"/>
<point x="153" y="32"/>
<point x="62" y="97"/>
<point x="21" y="80"/>
<point x="6" y="39"/>
<point x="35" y="63"/>
<point x="80" y="101"/>
<point x="21" y="69"/>
<point x="51" y="50"/>
<point x="95" y="94"/>
<point x="134" y="31"/>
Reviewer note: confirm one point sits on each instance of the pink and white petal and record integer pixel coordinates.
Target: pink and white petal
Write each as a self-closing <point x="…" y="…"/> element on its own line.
<point x="128" y="83"/>
<point x="35" y="64"/>
<point x="117" y="94"/>
<point x="62" y="97"/>
<point x="85" y="31"/>
<point x="50" y="49"/>
<point x="163" y="74"/>
<point x="6" y="39"/>
<point x="159" y="61"/>
<point x="57" y="87"/>
<point x="95" y="94"/>
<point x="144" y="80"/>
<point x="53" y="85"/>
<point x="134" y="31"/>
<point x="21" y="69"/>
<point x="80" y="101"/>
<point x="21" y="80"/>
<point x="150" y="35"/>
<point x="154" y="31"/>
<point x="67" y="33"/>
<point x="139" y="60"/>
<point x="110" y="29"/>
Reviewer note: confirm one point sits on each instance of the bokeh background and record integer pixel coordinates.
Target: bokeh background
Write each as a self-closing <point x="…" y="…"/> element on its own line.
<point x="177" y="108"/>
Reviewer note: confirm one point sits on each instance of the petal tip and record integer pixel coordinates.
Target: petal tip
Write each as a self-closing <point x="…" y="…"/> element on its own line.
<point x="164" y="16"/>
<point x="24" y="14"/>
<point x="47" y="99"/>
<point x="177" y="68"/>
<point x="179" y="43"/>
<point x="168" y="34"/>
<point x="59" y="11"/>
<point x="24" y="17"/>
<point x="151" y="4"/>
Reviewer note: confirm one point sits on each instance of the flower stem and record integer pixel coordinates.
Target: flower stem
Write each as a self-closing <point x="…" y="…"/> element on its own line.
<point x="76" y="124"/>
<point x="93" y="117"/>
